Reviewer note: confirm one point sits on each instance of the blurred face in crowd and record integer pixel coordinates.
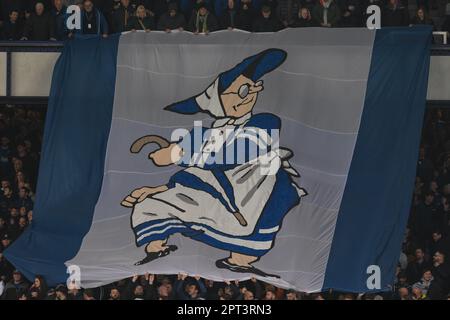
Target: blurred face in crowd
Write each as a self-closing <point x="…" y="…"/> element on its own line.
<point x="429" y="198"/>
<point x="266" y="13"/>
<point x="14" y="213"/>
<point x="18" y="165"/>
<point x="434" y="186"/>
<point x="421" y="14"/>
<point x="58" y="4"/>
<point x="192" y="290"/>
<point x="22" y="222"/>
<point x="139" y="291"/>
<point x="231" y="4"/>
<point x="22" y="192"/>
<point x="88" y="6"/>
<point x="436" y="236"/>
<point x="270" y="295"/>
<point x="172" y="12"/>
<point x="419" y="254"/>
<point x="140" y="12"/>
<point x="125" y="3"/>
<point x="403" y="293"/>
<point x="248" y="295"/>
<point x="39" y="8"/>
<point x="7" y="191"/>
<point x="427" y="275"/>
<point x="438" y="258"/>
<point x="291" y="296"/>
<point x="417" y="292"/>
<point x="202" y="11"/>
<point x="5" y="242"/>
<point x="30" y="215"/>
<point x="115" y="294"/>
<point x="23" y="211"/>
<point x="304" y="13"/>
<point x="37" y="283"/>
<point x="5" y="183"/>
<point x="13" y="16"/>
<point x="17" y="277"/>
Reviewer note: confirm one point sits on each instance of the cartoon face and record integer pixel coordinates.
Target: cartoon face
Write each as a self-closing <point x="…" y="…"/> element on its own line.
<point x="240" y="97"/>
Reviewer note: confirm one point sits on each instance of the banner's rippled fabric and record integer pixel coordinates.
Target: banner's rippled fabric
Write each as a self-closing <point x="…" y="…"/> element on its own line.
<point x="349" y="103"/>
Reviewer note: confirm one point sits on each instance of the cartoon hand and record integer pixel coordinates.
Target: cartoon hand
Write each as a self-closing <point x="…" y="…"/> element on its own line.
<point x="140" y="195"/>
<point x="167" y="156"/>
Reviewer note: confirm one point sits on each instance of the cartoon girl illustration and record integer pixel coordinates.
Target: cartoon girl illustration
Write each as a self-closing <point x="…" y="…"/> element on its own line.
<point x="233" y="205"/>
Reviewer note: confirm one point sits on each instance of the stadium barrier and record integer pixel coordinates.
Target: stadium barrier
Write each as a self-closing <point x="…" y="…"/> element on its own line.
<point x="26" y="71"/>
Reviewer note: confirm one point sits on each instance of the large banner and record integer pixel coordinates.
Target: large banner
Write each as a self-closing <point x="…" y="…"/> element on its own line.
<point x="289" y="157"/>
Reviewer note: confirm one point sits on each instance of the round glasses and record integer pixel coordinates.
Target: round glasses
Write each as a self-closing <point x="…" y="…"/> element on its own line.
<point x="244" y="90"/>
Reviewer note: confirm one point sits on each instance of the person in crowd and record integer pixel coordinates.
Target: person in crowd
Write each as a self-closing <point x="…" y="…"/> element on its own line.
<point x="194" y="289"/>
<point x="38" y="290"/>
<point x="326" y="13"/>
<point x="351" y="13"/>
<point x="160" y="7"/>
<point x="228" y="17"/>
<point x="172" y="19"/>
<point x="417" y="267"/>
<point x="203" y="21"/>
<point x="422" y="18"/>
<point x="287" y="11"/>
<point x="15" y="287"/>
<point x="40" y="25"/>
<point x="92" y="21"/>
<point x="425" y="282"/>
<point x="245" y="15"/>
<point x="142" y="20"/>
<point x="394" y="15"/>
<point x="114" y="294"/>
<point x="59" y="13"/>
<point x="303" y="19"/>
<point x="12" y="31"/>
<point x="266" y="22"/>
<point x="60" y="292"/>
<point x="88" y="294"/>
<point x="123" y="17"/>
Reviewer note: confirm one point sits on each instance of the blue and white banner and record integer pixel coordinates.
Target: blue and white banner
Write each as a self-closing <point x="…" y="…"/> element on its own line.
<point x="289" y="157"/>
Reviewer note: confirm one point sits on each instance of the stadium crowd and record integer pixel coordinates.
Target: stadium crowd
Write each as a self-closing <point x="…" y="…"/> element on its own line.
<point x="423" y="270"/>
<point x="43" y="20"/>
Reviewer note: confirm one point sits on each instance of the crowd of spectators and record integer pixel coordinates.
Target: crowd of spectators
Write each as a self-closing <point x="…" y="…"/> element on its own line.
<point x="43" y="20"/>
<point x="423" y="270"/>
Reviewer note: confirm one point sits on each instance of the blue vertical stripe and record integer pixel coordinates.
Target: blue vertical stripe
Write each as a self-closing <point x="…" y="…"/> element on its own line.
<point x="377" y="198"/>
<point x="71" y="170"/>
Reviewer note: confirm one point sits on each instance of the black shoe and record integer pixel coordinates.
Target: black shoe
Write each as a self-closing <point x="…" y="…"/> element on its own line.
<point x="225" y="264"/>
<point x="156" y="255"/>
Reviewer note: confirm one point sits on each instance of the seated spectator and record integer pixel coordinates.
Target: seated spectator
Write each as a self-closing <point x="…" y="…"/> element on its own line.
<point x="291" y="295"/>
<point x="88" y="295"/>
<point x="92" y="21"/>
<point x="40" y="25"/>
<point x="351" y="13"/>
<point x="38" y="290"/>
<point x="417" y="293"/>
<point x="15" y="287"/>
<point x="172" y="19"/>
<point x="394" y="15"/>
<point x="123" y="17"/>
<point x="403" y="294"/>
<point x="303" y="19"/>
<point x="422" y="17"/>
<point x="266" y="22"/>
<point x="245" y="15"/>
<point x="326" y="13"/>
<point x="142" y="21"/>
<point x="12" y="31"/>
<point x="417" y="267"/>
<point x="228" y="18"/>
<point x="287" y="11"/>
<point x="61" y="292"/>
<point x="59" y="15"/>
<point x="425" y="282"/>
<point x="160" y="7"/>
<point x="202" y="21"/>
